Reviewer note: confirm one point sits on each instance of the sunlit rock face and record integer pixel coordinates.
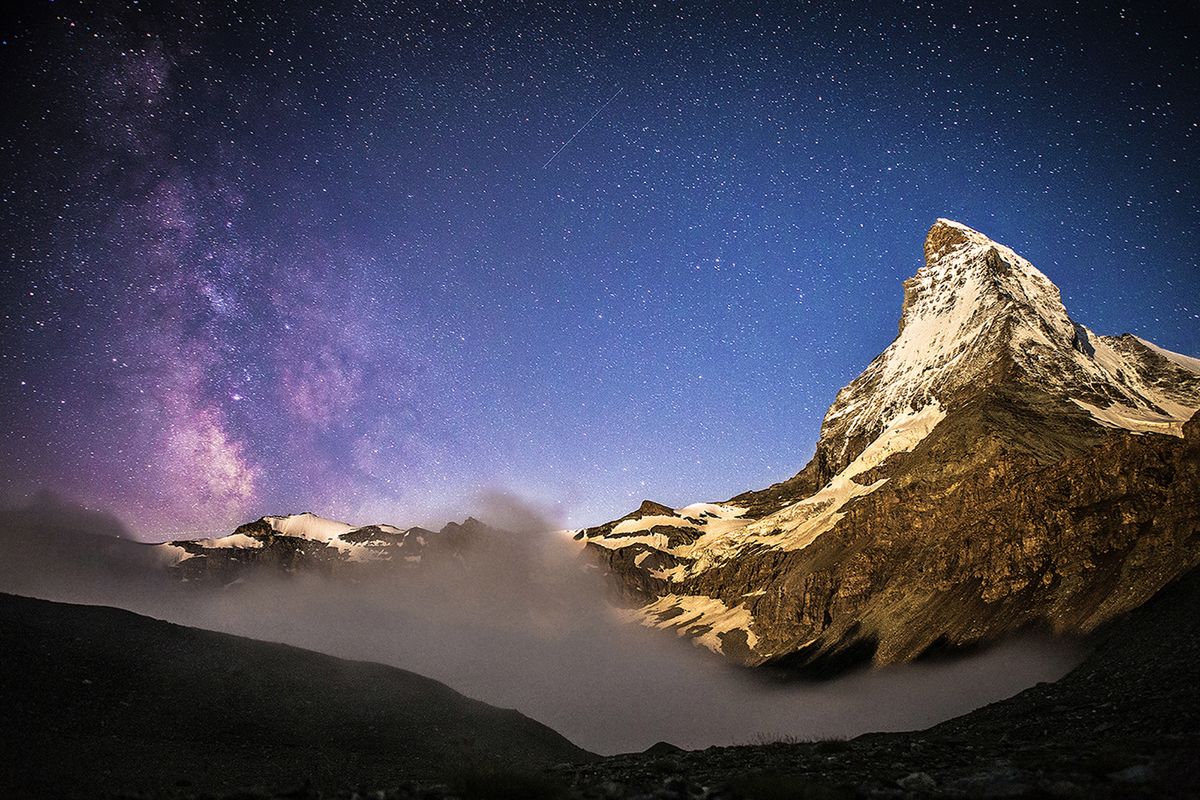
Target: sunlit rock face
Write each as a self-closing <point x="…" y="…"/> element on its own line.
<point x="998" y="467"/>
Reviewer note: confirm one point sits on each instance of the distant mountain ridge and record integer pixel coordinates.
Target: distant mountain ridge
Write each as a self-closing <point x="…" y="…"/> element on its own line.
<point x="310" y="543"/>
<point x="998" y="466"/>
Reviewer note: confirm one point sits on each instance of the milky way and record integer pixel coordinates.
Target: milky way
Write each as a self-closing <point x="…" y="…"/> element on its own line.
<point x="269" y="257"/>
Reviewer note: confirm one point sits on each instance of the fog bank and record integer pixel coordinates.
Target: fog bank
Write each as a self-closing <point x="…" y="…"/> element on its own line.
<point x="519" y="624"/>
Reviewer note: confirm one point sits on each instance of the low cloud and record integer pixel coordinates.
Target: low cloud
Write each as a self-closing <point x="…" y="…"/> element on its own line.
<point x="521" y="624"/>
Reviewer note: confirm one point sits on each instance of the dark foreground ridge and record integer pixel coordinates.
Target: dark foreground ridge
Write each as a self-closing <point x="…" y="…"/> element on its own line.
<point x="102" y="702"/>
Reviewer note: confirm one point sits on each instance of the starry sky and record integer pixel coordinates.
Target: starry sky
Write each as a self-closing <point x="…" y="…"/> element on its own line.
<point x="371" y="259"/>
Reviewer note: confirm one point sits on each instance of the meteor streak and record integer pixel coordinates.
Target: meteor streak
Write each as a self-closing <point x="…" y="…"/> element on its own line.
<point x="581" y="127"/>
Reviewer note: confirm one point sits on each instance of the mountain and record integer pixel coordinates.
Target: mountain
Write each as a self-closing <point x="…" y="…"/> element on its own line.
<point x="998" y="467"/>
<point x="99" y="702"/>
<point x="309" y="543"/>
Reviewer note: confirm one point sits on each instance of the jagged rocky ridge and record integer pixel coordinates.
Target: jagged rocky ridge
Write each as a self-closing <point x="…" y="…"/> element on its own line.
<point x="998" y="467"/>
<point x="309" y="543"/>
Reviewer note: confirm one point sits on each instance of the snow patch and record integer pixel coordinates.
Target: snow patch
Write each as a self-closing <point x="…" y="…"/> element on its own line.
<point x="706" y="519"/>
<point x="656" y="540"/>
<point x="650" y="521"/>
<point x="172" y="554"/>
<point x="799" y="524"/>
<point x="713" y="518"/>
<point x="688" y="612"/>
<point x="711" y="510"/>
<point x="1136" y="420"/>
<point x="676" y="574"/>
<point x="237" y="541"/>
<point x="308" y="526"/>
<point x="355" y="551"/>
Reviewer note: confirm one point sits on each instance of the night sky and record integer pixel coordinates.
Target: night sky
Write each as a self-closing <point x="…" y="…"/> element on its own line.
<point x="267" y="257"/>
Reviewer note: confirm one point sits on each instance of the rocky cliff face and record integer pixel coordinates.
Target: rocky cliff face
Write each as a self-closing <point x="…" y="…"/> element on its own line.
<point x="998" y="467"/>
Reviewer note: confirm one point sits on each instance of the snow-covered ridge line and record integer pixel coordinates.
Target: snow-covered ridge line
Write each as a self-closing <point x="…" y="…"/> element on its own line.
<point x="798" y="525"/>
<point x="793" y="527"/>
<point x="359" y="544"/>
<point x="309" y="526"/>
<point x="976" y="303"/>
<point x="1131" y="401"/>
<point x="1187" y="362"/>
<point x="235" y="540"/>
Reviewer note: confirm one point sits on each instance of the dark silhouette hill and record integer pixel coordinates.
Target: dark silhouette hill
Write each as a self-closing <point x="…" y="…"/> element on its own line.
<point x="98" y="701"/>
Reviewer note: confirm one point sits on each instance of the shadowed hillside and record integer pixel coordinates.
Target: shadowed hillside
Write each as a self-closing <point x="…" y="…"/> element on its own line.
<point x="99" y="701"/>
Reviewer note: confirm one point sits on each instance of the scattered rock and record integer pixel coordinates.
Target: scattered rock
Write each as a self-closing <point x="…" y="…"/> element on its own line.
<point x="917" y="782"/>
<point x="1065" y="789"/>
<point x="1136" y="775"/>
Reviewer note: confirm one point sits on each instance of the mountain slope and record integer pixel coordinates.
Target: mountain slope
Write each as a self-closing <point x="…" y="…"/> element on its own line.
<point x="1124" y="723"/>
<point x="99" y="701"/>
<point x="998" y="466"/>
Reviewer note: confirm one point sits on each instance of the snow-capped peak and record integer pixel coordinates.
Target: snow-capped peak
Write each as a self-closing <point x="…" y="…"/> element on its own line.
<point x="963" y="267"/>
<point x="976" y="313"/>
<point x="961" y="312"/>
<point x="946" y="233"/>
<point x="280" y="540"/>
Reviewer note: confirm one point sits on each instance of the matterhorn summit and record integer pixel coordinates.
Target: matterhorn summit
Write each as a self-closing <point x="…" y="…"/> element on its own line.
<point x="978" y="317"/>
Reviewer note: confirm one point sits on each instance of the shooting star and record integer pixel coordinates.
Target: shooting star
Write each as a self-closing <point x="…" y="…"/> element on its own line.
<point x="581" y="127"/>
